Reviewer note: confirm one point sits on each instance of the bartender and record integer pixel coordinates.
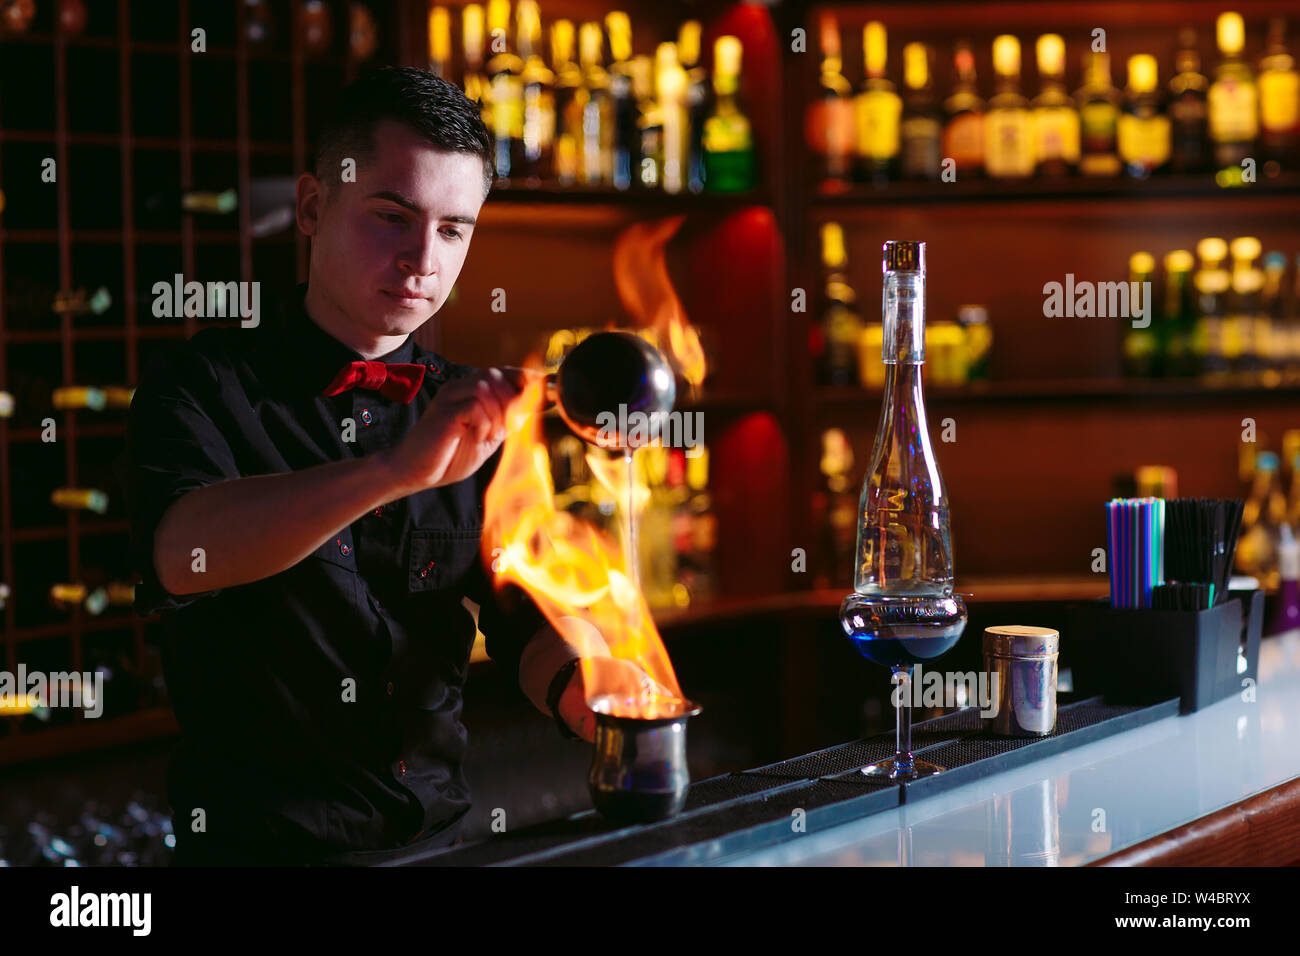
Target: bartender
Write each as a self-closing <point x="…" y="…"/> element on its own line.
<point x="306" y="503"/>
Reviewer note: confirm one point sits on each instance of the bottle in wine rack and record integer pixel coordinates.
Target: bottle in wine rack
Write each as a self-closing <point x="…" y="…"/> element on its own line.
<point x="88" y="499"/>
<point x="1188" y="109"/>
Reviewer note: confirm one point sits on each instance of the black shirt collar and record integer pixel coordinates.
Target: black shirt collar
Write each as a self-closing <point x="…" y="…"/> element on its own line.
<point x="318" y="356"/>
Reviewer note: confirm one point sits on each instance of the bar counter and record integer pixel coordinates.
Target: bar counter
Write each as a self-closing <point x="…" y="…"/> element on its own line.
<point x="1219" y="786"/>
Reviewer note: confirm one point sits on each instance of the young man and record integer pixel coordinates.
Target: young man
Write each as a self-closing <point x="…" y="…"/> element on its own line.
<point x="306" y="500"/>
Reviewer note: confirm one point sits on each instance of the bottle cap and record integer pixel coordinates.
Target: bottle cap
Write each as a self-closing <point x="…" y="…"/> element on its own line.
<point x="1006" y="55"/>
<point x="875" y="48"/>
<point x="1142" y="73"/>
<point x="903" y="255"/>
<point x="1021" y="641"/>
<point x="1051" y="53"/>
<point x="1231" y="32"/>
<point x="916" y="65"/>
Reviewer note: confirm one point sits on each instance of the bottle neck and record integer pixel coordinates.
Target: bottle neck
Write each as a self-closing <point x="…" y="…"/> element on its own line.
<point x="903" y="317"/>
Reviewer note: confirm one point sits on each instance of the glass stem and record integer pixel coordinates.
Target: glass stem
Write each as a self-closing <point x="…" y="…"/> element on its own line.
<point x="903" y="719"/>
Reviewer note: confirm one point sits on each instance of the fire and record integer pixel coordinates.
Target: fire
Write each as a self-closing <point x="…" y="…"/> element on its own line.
<point x="641" y="275"/>
<point x="575" y="574"/>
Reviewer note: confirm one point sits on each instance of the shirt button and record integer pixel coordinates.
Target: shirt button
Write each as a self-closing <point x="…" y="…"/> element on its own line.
<point x="390" y="688"/>
<point x="343" y="548"/>
<point x="378" y="512"/>
<point x="402" y="764"/>
<point x="366" y="417"/>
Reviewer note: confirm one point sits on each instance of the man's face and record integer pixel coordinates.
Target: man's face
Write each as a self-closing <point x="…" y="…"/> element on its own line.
<point x="387" y="249"/>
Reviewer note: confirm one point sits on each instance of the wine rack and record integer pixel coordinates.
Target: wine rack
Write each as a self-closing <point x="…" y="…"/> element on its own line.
<point x="132" y="117"/>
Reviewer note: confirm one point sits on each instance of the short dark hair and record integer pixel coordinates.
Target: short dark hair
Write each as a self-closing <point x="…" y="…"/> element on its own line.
<point x="428" y="104"/>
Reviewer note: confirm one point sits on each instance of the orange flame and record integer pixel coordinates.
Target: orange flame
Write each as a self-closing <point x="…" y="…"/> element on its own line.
<point x="641" y="275"/>
<point x="578" y="578"/>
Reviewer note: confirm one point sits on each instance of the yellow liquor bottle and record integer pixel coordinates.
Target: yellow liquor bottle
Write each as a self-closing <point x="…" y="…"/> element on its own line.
<point x="474" y="82"/>
<point x="728" y="142"/>
<point x="568" y="95"/>
<point x="1212" y="283"/>
<point x="440" y="42"/>
<point x="596" y="161"/>
<point x="1098" y="102"/>
<point x="1056" y="121"/>
<point x="672" y="87"/>
<point x="504" y="71"/>
<point x="1247" y="327"/>
<point x="1279" y="100"/>
<point x="1008" y="123"/>
<point x="877" y="110"/>
<point x="1233" y="102"/>
<point x="538" y="129"/>
<point x="1144" y="132"/>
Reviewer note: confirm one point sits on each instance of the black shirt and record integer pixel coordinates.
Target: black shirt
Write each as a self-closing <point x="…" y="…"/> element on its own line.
<point x="319" y="707"/>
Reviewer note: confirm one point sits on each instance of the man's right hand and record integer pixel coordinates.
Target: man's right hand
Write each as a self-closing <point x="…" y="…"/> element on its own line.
<point x="459" y="431"/>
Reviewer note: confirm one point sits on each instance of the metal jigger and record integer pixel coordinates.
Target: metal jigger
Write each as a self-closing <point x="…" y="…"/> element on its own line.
<point x="639" y="772"/>
<point x="607" y="372"/>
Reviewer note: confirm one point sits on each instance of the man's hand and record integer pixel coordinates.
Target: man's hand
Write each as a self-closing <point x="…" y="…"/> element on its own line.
<point x="615" y="676"/>
<point x="460" y="430"/>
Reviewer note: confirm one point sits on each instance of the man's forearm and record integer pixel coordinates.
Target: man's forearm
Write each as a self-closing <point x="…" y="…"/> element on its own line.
<point x="252" y="528"/>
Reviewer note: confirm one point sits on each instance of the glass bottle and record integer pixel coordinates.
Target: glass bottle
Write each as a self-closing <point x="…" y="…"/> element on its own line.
<point x="729" y="155"/>
<point x="1188" y="112"/>
<point x="1098" y="118"/>
<point x="539" y="97"/>
<point x="1056" y="121"/>
<point x="1261" y="521"/>
<point x="1143" y="127"/>
<point x="841" y="324"/>
<point x="963" y="135"/>
<point x="569" y="98"/>
<point x="1141" y="346"/>
<point x="1179" y="312"/>
<point x="922" y="123"/>
<point x="1233" y="101"/>
<point x="619" y="29"/>
<point x="697" y="101"/>
<point x="876" y="111"/>
<point x="1279" y="99"/>
<point x="596" y="160"/>
<point x="1008" y="124"/>
<point x="903" y="610"/>
<point x="1212" y="282"/>
<point x="504" y="71"/>
<point x="830" y="121"/>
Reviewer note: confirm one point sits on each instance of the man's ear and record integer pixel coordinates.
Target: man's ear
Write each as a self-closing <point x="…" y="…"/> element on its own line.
<point x="310" y="199"/>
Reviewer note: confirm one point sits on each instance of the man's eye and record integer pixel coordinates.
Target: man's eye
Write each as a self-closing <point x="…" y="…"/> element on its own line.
<point x="451" y="233"/>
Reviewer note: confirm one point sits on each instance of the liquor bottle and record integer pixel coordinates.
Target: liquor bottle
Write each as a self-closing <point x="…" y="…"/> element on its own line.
<point x="1141" y="347"/>
<point x="729" y="155"/>
<point x="829" y="125"/>
<point x="504" y="71"/>
<point x="1279" y="100"/>
<point x="704" y="523"/>
<point x="569" y="97"/>
<point x="1008" y="124"/>
<point x="697" y="101"/>
<point x="596" y="161"/>
<point x="1273" y="307"/>
<point x="619" y="28"/>
<point x="1098" y="102"/>
<point x="73" y="499"/>
<point x="79" y="396"/>
<point x="363" y="32"/>
<point x="876" y="109"/>
<point x="539" y="98"/>
<point x="903" y="608"/>
<point x="963" y="133"/>
<point x="440" y="42"/>
<point x="1188" y="109"/>
<point x="1233" y="102"/>
<point x="1179" y="313"/>
<point x="67" y="596"/>
<point x="650" y="125"/>
<point x="1212" y="283"/>
<point x="978" y="336"/>
<point x="922" y="123"/>
<point x="836" y="508"/>
<point x="1143" y="127"/>
<point x="841" y="324"/>
<point x="474" y="82"/>
<point x="1246" y="329"/>
<point x="315" y="27"/>
<point x="1261" y="521"/>
<point x="670" y="88"/>
<point x="1056" y="122"/>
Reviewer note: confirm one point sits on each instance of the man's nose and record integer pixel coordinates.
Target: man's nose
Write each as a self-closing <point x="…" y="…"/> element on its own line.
<point x="421" y="256"/>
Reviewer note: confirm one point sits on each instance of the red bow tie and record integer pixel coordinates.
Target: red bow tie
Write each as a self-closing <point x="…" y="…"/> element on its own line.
<point x="397" y="381"/>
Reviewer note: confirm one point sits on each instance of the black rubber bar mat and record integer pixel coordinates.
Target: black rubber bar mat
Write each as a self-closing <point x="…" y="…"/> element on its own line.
<point x="767" y="805"/>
